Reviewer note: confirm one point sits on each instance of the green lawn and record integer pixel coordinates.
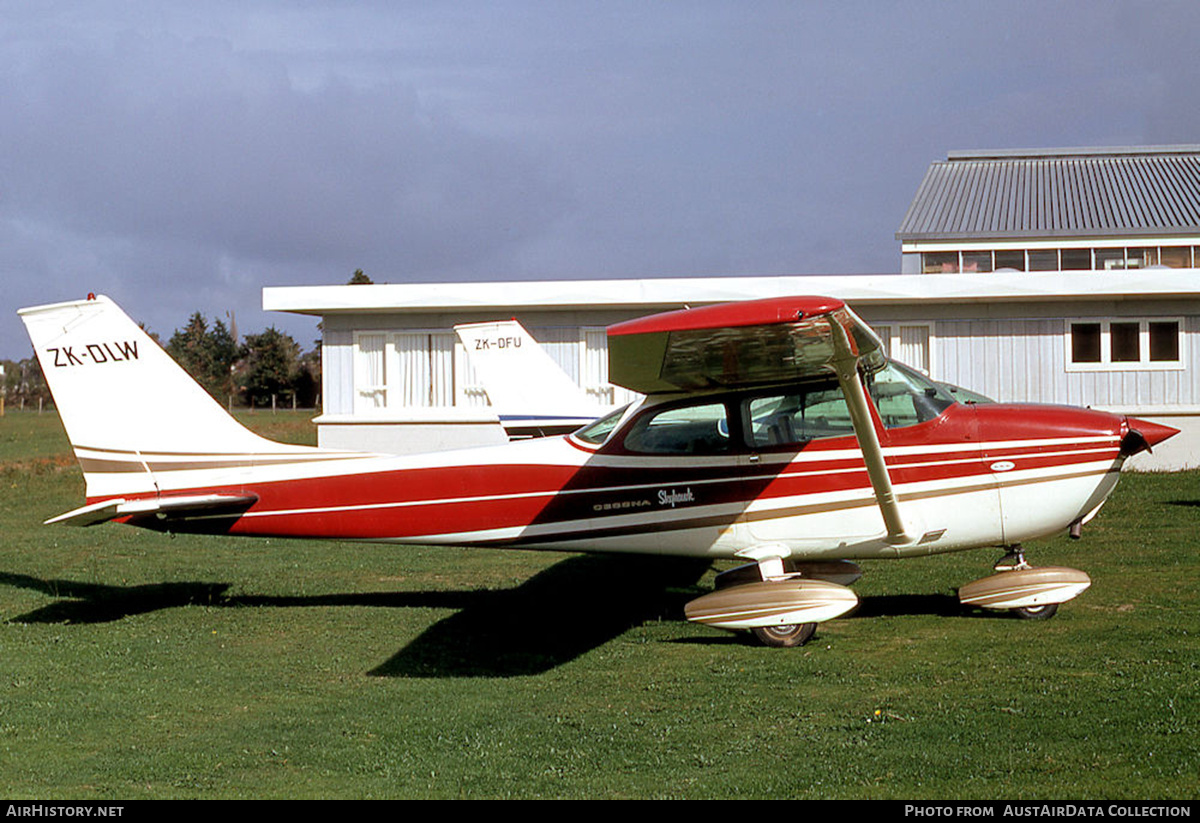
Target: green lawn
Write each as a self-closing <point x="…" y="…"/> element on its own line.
<point x="137" y="665"/>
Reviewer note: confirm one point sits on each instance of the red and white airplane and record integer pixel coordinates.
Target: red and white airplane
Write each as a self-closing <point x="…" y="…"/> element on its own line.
<point x="772" y="431"/>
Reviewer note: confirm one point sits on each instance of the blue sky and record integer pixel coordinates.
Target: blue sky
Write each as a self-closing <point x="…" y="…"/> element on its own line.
<point x="181" y="156"/>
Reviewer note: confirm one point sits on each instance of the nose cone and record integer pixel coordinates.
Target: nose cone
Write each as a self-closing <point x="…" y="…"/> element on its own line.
<point x="1144" y="435"/>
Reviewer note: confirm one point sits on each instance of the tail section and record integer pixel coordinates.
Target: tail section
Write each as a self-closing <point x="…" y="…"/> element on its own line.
<point x="524" y="385"/>
<point x="138" y="423"/>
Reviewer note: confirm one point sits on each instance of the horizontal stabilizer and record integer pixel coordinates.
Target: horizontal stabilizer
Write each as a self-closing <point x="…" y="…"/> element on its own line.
<point x="191" y="505"/>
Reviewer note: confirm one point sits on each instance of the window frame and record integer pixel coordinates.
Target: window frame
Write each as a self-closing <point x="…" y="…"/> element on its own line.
<point x="450" y="380"/>
<point x="1107" y="363"/>
<point x="893" y="341"/>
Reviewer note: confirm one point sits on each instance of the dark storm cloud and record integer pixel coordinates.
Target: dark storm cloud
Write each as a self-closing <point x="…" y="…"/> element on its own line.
<point x="179" y="168"/>
<point x="181" y="157"/>
<point x="167" y="141"/>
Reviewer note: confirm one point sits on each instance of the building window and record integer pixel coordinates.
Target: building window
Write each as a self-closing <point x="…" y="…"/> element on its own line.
<point x="911" y="344"/>
<point x="1164" y="341"/>
<point x="594" y="366"/>
<point x="425" y="370"/>
<point x="1176" y="257"/>
<point x="430" y="369"/>
<point x="1043" y="259"/>
<point x="1125" y="342"/>
<point x="1061" y="259"/>
<point x="1076" y="259"/>
<point x="939" y="262"/>
<point x="402" y="370"/>
<point x="370" y="371"/>
<point x="1124" y="345"/>
<point x="977" y="261"/>
<point x="1141" y="258"/>
<point x="1010" y="259"/>
<point x="1085" y="343"/>
<point x="1110" y="259"/>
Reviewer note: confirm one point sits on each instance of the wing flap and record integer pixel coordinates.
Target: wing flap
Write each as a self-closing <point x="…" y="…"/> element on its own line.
<point x="737" y="344"/>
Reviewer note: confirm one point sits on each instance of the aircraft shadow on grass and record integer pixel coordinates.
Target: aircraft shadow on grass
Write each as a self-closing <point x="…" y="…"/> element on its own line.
<point x="554" y="617"/>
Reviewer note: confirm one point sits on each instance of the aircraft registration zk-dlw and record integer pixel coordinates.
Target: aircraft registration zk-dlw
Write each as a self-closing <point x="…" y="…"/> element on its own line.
<point x="772" y="431"/>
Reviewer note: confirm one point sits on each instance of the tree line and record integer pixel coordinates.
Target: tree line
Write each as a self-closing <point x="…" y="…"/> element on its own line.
<point x="261" y="370"/>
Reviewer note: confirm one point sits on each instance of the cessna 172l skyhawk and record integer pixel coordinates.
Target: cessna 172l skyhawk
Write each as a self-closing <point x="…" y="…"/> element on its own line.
<point x="774" y="431"/>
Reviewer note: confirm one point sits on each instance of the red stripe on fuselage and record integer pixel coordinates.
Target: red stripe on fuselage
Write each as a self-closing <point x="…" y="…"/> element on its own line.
<point x="448" y="500"/>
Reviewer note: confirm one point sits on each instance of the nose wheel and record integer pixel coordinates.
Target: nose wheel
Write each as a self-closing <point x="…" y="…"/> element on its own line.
<point x="1024" y="591"/>
<point x="1037" y="612"/>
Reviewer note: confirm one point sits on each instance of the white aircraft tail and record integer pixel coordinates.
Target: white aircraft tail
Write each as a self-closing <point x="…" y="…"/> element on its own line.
<point x="522" y="381"/>
<point x="132" y="414"/>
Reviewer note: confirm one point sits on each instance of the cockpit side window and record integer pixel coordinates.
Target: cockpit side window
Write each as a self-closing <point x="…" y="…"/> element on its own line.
<point x="904" y="397"/>
<point x="797" y="416"/>
<point x="698" y="429"/>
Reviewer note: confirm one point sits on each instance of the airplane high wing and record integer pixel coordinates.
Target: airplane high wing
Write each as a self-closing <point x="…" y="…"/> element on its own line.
<point x="776" y="432"/>
<point x="739" y="344"/>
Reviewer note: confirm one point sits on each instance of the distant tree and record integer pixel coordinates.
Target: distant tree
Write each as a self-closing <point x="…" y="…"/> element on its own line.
<point x="225" y="354"/>
<point x="271" y="364"/>
<point x="359" y="279"/>
<point x="308" y="380"/>
<point x="24" y="382"/>
<point x="208" y="356"/>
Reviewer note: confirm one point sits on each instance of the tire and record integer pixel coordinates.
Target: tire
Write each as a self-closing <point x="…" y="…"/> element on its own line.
<point x="785" y="637"/>
<point x="1037" y="612"/>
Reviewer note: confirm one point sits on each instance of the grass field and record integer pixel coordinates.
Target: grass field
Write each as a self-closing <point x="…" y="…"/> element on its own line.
<point x="137" y="665"/>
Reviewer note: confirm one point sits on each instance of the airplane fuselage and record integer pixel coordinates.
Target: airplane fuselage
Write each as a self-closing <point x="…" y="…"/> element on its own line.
<point x="776" y="431"/>
<point x="975" y="475"/>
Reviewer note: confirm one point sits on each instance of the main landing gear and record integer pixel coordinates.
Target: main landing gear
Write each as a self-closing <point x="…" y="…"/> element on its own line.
<point x="787" y="636"/>
<point x="779" y="602"/>
<point x="1028" y="593"/>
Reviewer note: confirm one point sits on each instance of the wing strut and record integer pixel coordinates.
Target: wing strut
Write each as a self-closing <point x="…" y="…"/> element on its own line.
<point x="845" y="364"/>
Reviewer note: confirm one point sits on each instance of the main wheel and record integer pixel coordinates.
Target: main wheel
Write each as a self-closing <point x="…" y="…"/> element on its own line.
<point x="785" y="637"/>
<point x="1037" y="612"/>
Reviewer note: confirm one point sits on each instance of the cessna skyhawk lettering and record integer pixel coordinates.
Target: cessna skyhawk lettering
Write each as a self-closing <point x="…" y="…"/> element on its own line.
<point x="772" y="431"/>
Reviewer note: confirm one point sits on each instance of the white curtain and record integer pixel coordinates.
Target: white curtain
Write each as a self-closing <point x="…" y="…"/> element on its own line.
<point x="914" y="347"/>
<point x="595" y="366"/>
<point x="412" y="353"/>
<point x="370" y="373"/>
<point x="426" y="368"/>
<point x="441" y="369"/>
<point x="468" y="390"/>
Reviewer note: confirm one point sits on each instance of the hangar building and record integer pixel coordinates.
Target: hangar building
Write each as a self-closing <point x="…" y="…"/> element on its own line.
<point x="1057" y="276"/>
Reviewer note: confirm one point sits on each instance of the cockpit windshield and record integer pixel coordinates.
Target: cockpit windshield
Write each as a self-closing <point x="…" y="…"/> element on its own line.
<point x="818" y="409"/>
<point x="905" y="397"/>
<point x="598" y="431"/>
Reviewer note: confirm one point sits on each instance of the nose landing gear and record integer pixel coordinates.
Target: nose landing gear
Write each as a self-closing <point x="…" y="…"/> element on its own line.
<point x="1029" y="593"/>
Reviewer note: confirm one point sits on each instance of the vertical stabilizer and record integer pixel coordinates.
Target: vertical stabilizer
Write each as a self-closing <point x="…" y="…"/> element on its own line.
<point x="521" y="379"/>
<point x="126" y="405"/>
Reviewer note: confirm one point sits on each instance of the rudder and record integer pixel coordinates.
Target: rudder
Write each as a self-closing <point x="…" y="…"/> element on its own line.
<point x="122" y="398"/>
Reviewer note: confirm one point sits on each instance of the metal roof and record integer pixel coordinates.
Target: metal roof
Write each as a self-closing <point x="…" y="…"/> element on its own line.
<point x="1058" y="193"/>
